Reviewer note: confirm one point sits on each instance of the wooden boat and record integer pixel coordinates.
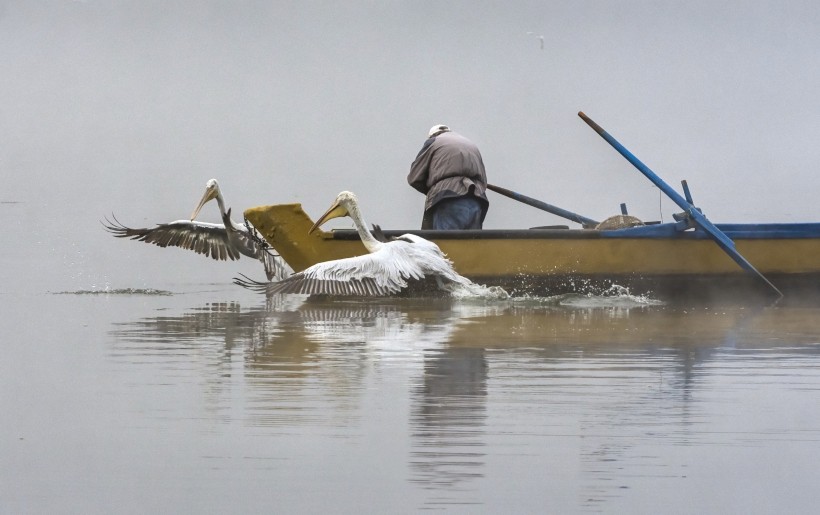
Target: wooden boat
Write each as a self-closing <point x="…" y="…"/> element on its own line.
<point x="676" y="261"/>
<point x="650" y="259"/>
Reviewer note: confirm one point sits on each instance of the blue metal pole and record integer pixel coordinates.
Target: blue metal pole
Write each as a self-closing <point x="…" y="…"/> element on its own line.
<point x="723" y="241"/>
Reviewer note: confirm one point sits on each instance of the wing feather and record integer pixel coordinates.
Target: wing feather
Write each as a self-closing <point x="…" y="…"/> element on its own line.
<point x="275" y="267"/>
<point x="208" y="239"/>
<point x="309" y="286"/>
<point x="383" y="272"/>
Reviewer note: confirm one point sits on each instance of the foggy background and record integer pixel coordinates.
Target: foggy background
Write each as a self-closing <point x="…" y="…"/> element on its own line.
<point x="131" y="106"/>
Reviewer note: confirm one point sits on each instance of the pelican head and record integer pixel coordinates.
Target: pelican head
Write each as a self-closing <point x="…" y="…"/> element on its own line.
<point x="341" y="207"/>
<point x="211" y="192"/>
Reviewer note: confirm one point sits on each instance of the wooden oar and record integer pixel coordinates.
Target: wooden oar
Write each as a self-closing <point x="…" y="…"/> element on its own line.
<point x="723" y="241"/>
<point x="587" y="223"/>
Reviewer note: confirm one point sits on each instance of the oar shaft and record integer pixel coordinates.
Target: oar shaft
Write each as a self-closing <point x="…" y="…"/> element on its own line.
<point x="549" y="208"/>
<point x="671" y="193"/>
<point x="723" y="241"/>
<point x="661" y="184"/>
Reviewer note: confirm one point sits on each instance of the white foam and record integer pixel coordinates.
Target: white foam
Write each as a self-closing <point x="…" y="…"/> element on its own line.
<point x="478" y="291"/>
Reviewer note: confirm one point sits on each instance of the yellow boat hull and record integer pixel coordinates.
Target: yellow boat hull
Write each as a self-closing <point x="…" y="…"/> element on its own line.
<point x="559" y="257"/>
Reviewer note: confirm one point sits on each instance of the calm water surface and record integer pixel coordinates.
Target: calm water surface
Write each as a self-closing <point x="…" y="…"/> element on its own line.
<point x="177" y="392"/>
<point x="139" y="402"/>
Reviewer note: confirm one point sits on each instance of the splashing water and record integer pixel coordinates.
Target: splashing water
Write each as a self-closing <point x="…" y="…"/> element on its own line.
<point x="616" y="296"/>
<point x="117" y="291"/>
<point x="473" y="291"/>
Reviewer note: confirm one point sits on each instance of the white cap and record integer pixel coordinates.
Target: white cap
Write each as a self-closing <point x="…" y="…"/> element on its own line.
<point x="435" y="129"/>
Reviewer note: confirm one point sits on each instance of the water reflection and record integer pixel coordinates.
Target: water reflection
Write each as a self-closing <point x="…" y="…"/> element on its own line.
<point x="448" y="422"/>
<point x="562" y="389"/>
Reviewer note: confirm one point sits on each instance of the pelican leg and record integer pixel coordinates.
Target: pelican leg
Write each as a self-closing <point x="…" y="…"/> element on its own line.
<point x="254" y="235"/>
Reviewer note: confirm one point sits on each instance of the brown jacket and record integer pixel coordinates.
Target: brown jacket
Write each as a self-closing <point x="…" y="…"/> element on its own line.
<point x="449" y="165"/>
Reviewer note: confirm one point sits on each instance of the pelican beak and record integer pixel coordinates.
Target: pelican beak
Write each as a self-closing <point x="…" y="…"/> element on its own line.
<point x="336" y="211"/>
<point x="210" y="194"/>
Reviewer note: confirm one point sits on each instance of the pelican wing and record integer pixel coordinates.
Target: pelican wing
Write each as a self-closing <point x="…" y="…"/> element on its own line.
<point x="275" y="267"/>
<point x="384" y="272"/>
<point x="379" y="234"/>
<point x="431" y="260"/>
<point x="299" y="284"/>
<point x="246" y="240"/>
<point x="203" y="238"/>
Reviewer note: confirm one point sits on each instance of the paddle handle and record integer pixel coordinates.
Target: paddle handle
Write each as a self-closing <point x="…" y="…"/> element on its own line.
<point x="587" y="223"/>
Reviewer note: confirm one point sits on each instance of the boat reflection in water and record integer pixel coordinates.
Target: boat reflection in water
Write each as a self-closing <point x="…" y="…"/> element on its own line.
<point x="578" y="393"/>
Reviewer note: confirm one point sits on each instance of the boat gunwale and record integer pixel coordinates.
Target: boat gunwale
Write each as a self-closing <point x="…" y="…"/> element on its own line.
<point x="774" y="231"/>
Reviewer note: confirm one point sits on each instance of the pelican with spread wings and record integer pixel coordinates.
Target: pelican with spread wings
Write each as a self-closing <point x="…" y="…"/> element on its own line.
<point x="228" y="240"/>
<point x="386" y="269"/>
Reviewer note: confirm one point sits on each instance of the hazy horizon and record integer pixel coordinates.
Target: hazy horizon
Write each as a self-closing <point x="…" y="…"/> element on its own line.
<point x="129" y="107"/>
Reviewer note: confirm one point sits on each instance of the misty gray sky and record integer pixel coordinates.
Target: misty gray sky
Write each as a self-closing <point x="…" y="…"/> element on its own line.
<point x="130" y="106"/>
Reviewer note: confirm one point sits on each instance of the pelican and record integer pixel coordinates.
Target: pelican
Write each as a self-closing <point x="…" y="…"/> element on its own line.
<point x="385" y="270"/>
<point x="224" y="241"/>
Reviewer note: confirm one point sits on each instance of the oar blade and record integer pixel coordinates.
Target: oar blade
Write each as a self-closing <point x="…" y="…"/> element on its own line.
<point x="728" y="246"/>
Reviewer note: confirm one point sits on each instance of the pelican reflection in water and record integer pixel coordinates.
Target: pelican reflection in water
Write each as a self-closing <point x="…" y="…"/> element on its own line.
<point x="386" y="269"/>
<point x="228" y="240"/>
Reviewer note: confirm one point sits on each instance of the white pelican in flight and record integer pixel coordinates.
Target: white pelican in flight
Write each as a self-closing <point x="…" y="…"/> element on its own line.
<point x="228" y="240"/>
<point x="385" y="270"/>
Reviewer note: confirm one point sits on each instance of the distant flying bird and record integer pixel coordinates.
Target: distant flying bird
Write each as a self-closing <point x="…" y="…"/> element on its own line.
<point x="385" y="270"/>
<point x="539" y="38"/>
<point x="228" y="240"/>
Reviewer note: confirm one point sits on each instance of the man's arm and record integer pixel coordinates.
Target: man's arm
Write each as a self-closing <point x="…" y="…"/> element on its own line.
<point x="420" y="169"/>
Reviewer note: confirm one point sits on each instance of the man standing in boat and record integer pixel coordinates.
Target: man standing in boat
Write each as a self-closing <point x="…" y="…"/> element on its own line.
<point x="450" y="171"/>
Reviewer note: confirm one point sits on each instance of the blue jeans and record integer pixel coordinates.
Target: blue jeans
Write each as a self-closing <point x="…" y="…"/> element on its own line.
<point x="458" y="213"/>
